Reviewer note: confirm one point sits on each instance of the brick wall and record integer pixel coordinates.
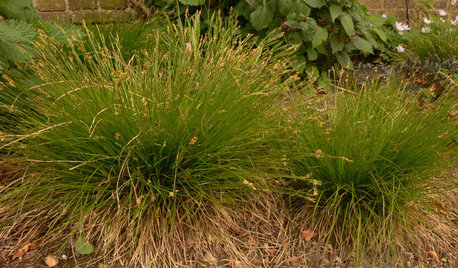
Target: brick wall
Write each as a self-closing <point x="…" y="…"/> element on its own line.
<point x="89" y="10"/>
<point x="398" y="7"/>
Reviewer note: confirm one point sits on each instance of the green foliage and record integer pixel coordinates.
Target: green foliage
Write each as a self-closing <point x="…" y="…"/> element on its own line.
<point x="16" y="42"/>
<point x="362" y="155"/>
<point x="328" y="33"/>
<point x="18" y="32"/>
<point x="19" y="9"/>
<point x="82" y="245"/>
<point x="131" y="38"/>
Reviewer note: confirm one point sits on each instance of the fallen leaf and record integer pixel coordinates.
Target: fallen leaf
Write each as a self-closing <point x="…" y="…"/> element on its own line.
<point x="293" y="260"/>
<point x="434" y="256"/>
<point x="271" y="252"/>
<point x="51" y="261"/>
<point x="82" y="246"/>
<point x="238" y="231"/>
<point x="308" y="235"/>
<point x="23" y="250"/>
<point x="210" y="258"/>
<point x="33" y="245"/>
<point x="440" y="208"/>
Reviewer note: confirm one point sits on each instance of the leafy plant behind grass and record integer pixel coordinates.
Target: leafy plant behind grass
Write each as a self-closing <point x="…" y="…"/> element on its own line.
<point x="130" y="37"/>
<point x="137" y="147"/>
<point x="363" y="156"/>
<point x="327" y="33"/>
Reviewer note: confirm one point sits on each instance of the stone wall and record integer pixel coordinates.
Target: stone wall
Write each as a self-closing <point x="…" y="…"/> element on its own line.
<point x="89" y="10"/>
<point x="122" y="10"/>
<point x="398" y="7"/>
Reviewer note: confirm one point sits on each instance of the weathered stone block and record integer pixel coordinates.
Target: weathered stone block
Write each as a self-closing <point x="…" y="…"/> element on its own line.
<point x="442" y="4"/>
<point x="50" y="5"/>
<point x="60" y="17"/>
<point x="113" y="4"/>
<point x="372" y="4"/>
<point x="93" y="16"/>
<point x="82" y="4"/>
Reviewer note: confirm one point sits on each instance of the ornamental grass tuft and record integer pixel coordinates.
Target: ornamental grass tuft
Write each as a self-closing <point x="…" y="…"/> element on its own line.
<point x="363" y="160"/>
<point x="121" y="150"/>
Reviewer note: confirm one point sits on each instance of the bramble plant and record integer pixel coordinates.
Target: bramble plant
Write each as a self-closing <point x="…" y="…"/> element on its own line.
<point x="328" y="32"/>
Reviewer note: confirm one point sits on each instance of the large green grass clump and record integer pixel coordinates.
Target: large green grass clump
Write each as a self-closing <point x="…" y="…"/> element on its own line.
<point x="135" y="145"/>
<point x="363" y="155"/>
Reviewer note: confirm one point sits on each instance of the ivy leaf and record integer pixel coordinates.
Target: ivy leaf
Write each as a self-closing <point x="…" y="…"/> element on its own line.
<point x="312" y="54"/>
<point x="82" y="246"/>
<point x="320" y="35"/>
<point x="362" y="45"/>
<point x="261" y="17"/>
<point x="336" y="11"/>
<point x="315" y="3"/>
<point x="347" y="23"/>
<point x="344" y="60"/>
<point x="336" y="44"/>
<point x="192" y="2"/>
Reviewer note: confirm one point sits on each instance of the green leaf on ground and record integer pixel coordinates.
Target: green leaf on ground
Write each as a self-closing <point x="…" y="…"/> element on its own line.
<point x="82" y="246"/>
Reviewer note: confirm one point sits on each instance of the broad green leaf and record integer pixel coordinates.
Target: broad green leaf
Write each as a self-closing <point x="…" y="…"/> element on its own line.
<point x="362" y="45"/>
<point x="261" y="17"/>
<point x="320" y="35"/>
<point x="62" y="32"/>
<point x="299" y="63"/>
<point x="347" y="23"/>
<point x="18" y="9"/>
<point x="243" y="9"/>
<point x="344" y="60"/>
<point x="336" y="11"/>
<point x="192" y="2"/>
<point x="295" y="37"/>
<point x="324" y="82"/>
<point x="376" y="20"/>
<point x="312" y="54"/>
<point x="315" y="3"/>
<point x="312" y="71"/>
<point x="292" y="23"/>
<point x="296" y="6"/>
<point x="82" y="246"/>
<point x="381" y="33"/>
<point x="16" y="41"/>
<point x="336" y="44"/>
<point x="308" y="28"/>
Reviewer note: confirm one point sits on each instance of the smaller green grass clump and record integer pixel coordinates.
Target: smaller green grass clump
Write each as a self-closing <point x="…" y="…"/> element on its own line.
<point x="363" y="157"/>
